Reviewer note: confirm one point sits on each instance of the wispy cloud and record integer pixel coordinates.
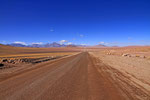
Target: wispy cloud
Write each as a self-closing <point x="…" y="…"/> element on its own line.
<point x="69" y="43"/>
<point x="19" y="42"/>
<point x="102" y="42"/>
<point x="51" y="30"/>
<point x="81" y="35"/>
<point x="40" y="43"/>
<point x="63" y="41"/>
<point x="83" y="44"/>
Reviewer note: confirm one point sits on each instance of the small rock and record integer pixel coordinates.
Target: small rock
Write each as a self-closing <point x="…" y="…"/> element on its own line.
<point x="4" y="60"/>
<point x="142" y="56"/>
<point x="126" y="55"/>
<point x="1" y="65"/>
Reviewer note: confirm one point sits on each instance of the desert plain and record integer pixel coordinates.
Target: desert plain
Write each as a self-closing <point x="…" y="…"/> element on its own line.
<point x="75" y="73"/>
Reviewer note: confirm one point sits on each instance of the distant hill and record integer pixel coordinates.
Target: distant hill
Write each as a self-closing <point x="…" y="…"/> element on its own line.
<point x="54" y="44"/>
<point x="71" y="45"/>
<point x="35" y="45"/>
<point x="1" y="45"/>
<point x="5" y="46"/>
<point x="49" y="45"/>
<point x="11" y="50"/>
<point x="16" y="45"/>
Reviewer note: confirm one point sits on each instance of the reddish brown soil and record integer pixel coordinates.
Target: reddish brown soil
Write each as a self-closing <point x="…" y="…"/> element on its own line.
<point x="78" y="77"/>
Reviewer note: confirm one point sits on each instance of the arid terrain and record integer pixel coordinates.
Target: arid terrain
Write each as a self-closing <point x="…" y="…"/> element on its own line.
<point x="119" y="73"/>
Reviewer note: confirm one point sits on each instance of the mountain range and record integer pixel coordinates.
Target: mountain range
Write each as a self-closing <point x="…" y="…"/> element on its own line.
<point x="47" y="45"/>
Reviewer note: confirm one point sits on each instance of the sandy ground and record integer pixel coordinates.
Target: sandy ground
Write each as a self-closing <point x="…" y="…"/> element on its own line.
<point x="79" y="77"/>
<point x="136" y="68"/>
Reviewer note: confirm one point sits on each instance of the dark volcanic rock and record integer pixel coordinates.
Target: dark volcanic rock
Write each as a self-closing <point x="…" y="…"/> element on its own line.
<point x="4" y="60"/>
<point x="1" y="65"/>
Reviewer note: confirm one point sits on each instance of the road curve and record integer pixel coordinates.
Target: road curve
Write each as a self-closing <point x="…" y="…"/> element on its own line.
<point x="78" y="77"/>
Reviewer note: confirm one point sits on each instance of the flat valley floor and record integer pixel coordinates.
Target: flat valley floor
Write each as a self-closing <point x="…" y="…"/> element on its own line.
<point x="77" y="77"/>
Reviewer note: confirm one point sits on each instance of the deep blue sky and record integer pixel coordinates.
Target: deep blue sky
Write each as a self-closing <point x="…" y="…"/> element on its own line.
<point x="114" y="22"/>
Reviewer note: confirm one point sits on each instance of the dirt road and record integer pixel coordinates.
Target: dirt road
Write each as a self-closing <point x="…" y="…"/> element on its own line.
<point x="78" y="77"/>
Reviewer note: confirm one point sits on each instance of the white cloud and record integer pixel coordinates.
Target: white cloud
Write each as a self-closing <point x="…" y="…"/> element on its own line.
<point x="106" y="43"/>
<point x="51" y="30"/>
<point x="83" y="44"/>
<point x="62" y="41"/>
<point x="18" y="42"/>
<point x="81" y="35"/>
<point x="40" y="43"/>
<point x="69" y="43"/>
<point x="101" y="42"/>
